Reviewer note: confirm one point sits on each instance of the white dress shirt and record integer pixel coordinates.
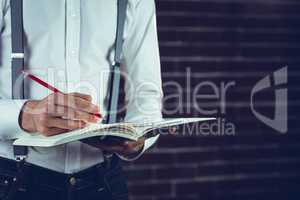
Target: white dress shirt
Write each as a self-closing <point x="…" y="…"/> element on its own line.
<point x="70" y="44"/>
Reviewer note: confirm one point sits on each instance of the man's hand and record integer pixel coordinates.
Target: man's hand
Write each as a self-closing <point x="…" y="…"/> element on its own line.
<point x="58" y="113"/>
<point x="123" y="147"/>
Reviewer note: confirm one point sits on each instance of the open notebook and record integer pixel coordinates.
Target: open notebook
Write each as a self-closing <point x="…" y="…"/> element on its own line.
<point x="130" y="131"/>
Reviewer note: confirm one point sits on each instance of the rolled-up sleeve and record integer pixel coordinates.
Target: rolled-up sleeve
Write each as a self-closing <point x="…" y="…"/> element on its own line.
<point x="9" y="119"/>
<point x="143" y="85"/>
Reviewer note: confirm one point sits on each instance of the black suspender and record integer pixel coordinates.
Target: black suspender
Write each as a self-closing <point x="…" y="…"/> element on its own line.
<point x="17" y="44"/>
<point x="17" y="56"/>
<point x="17" y="31"/>
<point x="115" y="76"/>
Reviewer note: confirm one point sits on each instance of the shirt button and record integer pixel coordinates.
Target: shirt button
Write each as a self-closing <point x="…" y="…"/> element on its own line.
<point x="73" y="13"/>
<point x="73" y="52"/>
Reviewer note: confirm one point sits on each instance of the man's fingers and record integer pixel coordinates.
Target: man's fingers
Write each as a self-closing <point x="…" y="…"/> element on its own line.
<point x="125" y="147"/>
<point x="70" y="113"/>
<point x="74" y="102"/>
<point x="112" y="148"/>
<point x="133" y="146"/>
<point x="65" y="123"/>
<point x="53" y="131"/>
<point x="86" y="106"/>
<point x="83" y="96"/>
<point x="102" y="145"/>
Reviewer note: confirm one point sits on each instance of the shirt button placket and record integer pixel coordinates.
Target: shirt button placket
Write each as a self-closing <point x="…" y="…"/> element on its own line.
<point x="73" y="71"/>
<point x="73" y="41"/>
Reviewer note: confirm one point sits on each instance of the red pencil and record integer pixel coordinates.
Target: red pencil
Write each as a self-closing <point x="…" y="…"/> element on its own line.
<point x="46" y="85"/>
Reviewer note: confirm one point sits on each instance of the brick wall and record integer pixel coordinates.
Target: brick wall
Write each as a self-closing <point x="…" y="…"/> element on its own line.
<point x="224" y="41"/>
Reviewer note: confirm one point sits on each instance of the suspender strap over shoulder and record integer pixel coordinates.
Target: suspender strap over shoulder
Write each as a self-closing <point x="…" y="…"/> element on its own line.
<point x="17" y="56"/>
<point x="115" y="76"/>
<point x="17" y="61"/>
<point x="122" y="7"/>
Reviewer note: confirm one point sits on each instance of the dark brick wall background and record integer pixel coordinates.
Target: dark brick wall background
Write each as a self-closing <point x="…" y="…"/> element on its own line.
<point x="223" y="41"/>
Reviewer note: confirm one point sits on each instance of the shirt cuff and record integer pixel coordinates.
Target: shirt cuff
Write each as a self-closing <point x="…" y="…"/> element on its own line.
<point x="148" y="143"/>
<point x="9" y="120"/>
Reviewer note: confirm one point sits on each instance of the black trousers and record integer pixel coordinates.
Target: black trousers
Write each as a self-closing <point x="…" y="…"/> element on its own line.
<point x="101" y="182"/>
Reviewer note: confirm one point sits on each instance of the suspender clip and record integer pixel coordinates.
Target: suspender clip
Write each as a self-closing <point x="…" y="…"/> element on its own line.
<point x="20" y="158"/>
<point x="116" y="64"/>
<point x="20" y="153"/>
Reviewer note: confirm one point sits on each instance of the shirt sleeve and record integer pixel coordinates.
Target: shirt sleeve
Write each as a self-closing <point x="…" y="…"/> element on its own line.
<point x="143" y="85"/>
<point x="9" y="119"/>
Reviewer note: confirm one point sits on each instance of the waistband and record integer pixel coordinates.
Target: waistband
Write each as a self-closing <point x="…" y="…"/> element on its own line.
<point x="47" y="177"/>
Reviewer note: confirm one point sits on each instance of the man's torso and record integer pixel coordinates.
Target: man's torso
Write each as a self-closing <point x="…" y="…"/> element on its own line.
<point x="70" y="45"/>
